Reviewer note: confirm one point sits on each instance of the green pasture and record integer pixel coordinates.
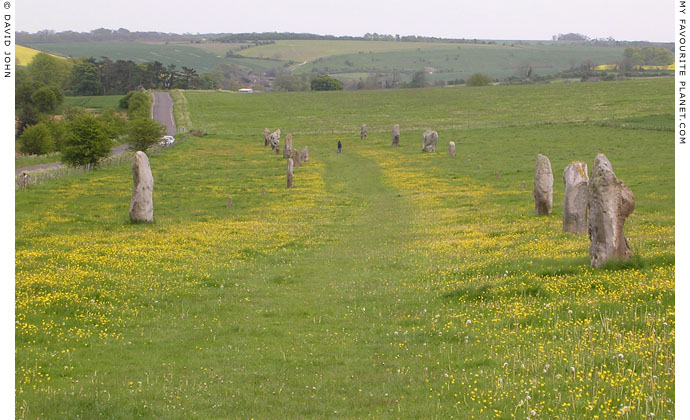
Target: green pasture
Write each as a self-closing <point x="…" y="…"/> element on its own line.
<point x="140" y="52"/>
<point x="308" y="50"/>
<point x="459" y="61"/>
<point x="94" y="102"/>
<point x="388" y="283"/>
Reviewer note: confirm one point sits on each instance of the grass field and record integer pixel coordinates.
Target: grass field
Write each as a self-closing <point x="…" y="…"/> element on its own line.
<point x="94" y="102"/>
<point x="308" y="50"/>
<point x="453" y="61"/>
<point x="140" y="52"/>
<point x="387" y="284"/>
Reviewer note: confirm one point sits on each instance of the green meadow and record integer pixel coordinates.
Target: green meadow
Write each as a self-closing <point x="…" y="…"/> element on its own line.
<point x="388" y="283"/>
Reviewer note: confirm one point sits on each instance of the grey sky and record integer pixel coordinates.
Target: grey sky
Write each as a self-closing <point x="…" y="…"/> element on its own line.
<point x="527" y="19"/>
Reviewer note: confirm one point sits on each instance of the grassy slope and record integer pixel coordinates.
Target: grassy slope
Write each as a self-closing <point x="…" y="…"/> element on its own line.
<point x="140" y="52"/>
<point x="460" y="61"/>
<point x="387" y="284"/>
<point x="307" y="50"/>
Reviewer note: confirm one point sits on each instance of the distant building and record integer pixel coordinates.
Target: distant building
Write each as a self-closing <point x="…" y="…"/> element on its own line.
<point x="246" y="90"/>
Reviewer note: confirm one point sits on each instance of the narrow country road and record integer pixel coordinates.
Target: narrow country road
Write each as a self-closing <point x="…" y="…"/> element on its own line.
<point x="161" y="111"/>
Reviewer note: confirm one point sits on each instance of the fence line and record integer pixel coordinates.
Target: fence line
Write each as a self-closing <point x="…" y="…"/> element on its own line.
<point x="29" y="178"/>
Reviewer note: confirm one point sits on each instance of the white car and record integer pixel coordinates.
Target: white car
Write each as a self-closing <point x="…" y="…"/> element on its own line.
<point x="167" y="140"/>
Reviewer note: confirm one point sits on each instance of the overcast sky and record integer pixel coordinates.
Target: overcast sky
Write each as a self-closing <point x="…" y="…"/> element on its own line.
<point x="485" y="19"/>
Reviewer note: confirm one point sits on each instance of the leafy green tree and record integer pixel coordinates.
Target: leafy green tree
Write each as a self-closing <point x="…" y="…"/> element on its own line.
<point x="325" y="83"/>
<point x="289" y="83"/>
<point x="478" y="79"/>
<point x="47" y="99"/>
<point x="36" y="140"/>
<point x="114" y="125"/>
<point x="84" y="79"/>
<point x="59" y="131"/>
<point x="87" y="142"/>
<point x="419" y="80"/>
<point x="49" y="70"/>
<point x="144" y="133"/>
<point x="137" y="104"/>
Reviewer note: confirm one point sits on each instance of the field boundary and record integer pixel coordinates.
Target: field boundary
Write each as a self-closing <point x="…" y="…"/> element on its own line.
<point x="180" y="111"/>
<point x="30" y="178"/>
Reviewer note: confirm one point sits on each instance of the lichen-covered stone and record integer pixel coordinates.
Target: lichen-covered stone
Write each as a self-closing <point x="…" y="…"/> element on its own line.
<point x="267" y="135"/>
<point x="575" y="198"/>
<point x="141" y="205"/>
<point x="287" y="149"/>
<point x="305" y="154"/>
<point x="451" y="148"/>
<point x="543" y="186"/>
<point x="396" y="135"/>
<point x="274" y="140"/>
<point x="429" y="140"/>
<point x="610" y="203"/>
<point x="363" y="133"/>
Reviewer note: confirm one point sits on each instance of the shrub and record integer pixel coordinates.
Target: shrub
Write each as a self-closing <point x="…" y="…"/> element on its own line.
<point x="137" y="104"/>
<point x="478" y="79"/>
<point x="114" y="125"/>
<point x="144" y="133"/>
<point x="59" y="130"/>
<point x="87" y="141"/>
<point x="325" y="83"/>
<point x="36" y="140"/>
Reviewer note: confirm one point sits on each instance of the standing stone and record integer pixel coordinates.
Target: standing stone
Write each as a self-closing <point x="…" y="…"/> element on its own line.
<point x="523" y="186"/>
<point x="543" y="186"/>
<point x="363" y="134"/>
<point x="263" y="191"/>
<point x="287" y="149"/>
<point x="305" y="154"/>
<point x="274" y="140"/>
<point x="141" y="205"/>
<point x="267" y="135"/>
<point x="610" y="203"/>
<point x="575" y="202"/>
<point x="451" y="148"/>
<point x="290" y="177"/>
<point x="396" y="135"/>
<point x="229" y="203"/>
<point x="429" y="140"/>
<point x="497" y="175"/>
<point x="296" y="158"/>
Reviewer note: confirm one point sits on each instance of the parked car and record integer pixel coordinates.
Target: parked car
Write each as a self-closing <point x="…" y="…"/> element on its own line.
<point x="167" y="140"/>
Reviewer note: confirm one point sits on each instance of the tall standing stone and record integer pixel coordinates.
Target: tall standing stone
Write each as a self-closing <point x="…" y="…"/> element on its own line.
<point x="543" y="186"/>
<point x="429" y="140"/>
<point x="451" y="148"/>
<point x="290" y="177"/>
<point x="610" y="203"/>
<point x="267" y="135"/>
<point x="287" y="149"/>
<point x="141" y="205"/>
<point x="575" y="201"/>
<point x="305" y="154"/>
<point x="363" y="134"/>
<point x="296" y="158"/>
<point x="396" y="135"/>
